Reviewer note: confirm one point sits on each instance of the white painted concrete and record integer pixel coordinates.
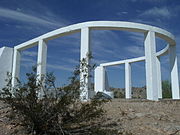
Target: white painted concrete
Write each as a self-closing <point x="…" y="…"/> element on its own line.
<point x="16" y="66"/>
<point x="151" y="66"/>
<point x="99" y="79"/>
<point x="101" y="83"/>
<point x="105" y="25"/>
<point x="109" y="93"/>
<point x="163" y="52"/>
<point x="159" y="80"/>
<point x="41" y="64"/>
<point x="85" y="81"/>
<point x="174" y="73"/>
<point x="128" y="85"/>
<point x="6" y="58"/>
<point x="107" y="88"/>
<point x="41" y="60"/>
<point x="133" y="60"/>
<point x="1" y="51"/>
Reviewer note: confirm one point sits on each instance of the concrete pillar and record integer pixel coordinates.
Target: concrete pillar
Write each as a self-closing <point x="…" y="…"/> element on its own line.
<point x="16" y="66"/>
<point x="151" y="66"/>
<point x="107" y="88"/>
<point x="41" y="59"/>
<point x="41" y="62"/>
<point x="174" y="72"/>
<point x="6" y="61"/>
<point x="128" y="85"/>
<point x="101" y="82"/>
<point x="85" y="51"/>
<point x="159" y="77"/>
<point x="99" y="79"/>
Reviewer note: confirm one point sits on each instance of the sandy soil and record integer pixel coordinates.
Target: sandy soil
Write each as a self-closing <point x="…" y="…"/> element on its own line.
<point x="129" y="117"/>
<point x="143" y="117"/>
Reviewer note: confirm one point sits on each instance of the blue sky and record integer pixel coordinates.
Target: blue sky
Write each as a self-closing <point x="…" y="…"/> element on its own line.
<point x="22" y="20"/>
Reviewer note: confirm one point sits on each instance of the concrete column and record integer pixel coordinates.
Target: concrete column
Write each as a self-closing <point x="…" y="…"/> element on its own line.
<point x="41" y="63"/>
<point x="174" y="72"/>
<point x="16" y="67"/>
<point x="99" y="80"/>
<point x="6" y="62"/>
<point x="159" y="77"/>
<point x="106" y="80"/>
<point x="128" y="85"/>
<point x="151" y="66"/>
<point x="85" y="51"/>
<point x="41" y="60"/>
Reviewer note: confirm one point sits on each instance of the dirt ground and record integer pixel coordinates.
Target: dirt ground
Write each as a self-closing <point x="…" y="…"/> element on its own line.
<point x="129" y="117"/>
<point x="143" y="117"/>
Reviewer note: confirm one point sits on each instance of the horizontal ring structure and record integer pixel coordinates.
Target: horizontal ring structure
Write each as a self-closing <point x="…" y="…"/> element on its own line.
<point x="158" y="54"/>
<point x="100" y="25"/>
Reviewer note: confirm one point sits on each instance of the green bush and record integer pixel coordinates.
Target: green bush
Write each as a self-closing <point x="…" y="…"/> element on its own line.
<point x="166" y="89"/>
<point x="59" y="112"/>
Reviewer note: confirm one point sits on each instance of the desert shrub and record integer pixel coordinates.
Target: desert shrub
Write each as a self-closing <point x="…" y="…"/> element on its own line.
<point x="59" y="112"/>
<point x="166" y="89"/>
<point x="119" y="94"/>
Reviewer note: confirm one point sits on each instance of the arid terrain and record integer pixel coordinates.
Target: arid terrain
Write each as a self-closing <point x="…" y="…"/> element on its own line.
<point x="143" y="117"/>
<point x="129" y="117"/>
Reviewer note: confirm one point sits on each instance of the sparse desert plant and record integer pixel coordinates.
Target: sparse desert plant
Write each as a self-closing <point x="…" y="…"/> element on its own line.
<point x="118" y="94"/>
<point x="166" y="89"/>
<point x="59" y="112"/>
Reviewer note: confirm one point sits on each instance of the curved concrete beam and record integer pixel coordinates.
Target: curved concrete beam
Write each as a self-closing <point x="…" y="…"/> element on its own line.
<point x="158" y="54"/>
<point x="102" y="25"/>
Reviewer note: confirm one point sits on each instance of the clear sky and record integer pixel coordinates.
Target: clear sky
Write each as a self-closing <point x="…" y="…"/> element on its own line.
<point x="22" y="20"/>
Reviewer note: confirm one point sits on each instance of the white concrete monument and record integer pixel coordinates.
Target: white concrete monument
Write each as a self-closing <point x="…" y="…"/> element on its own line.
<point x="151" y="58"/>
<point x="6" y="56"/>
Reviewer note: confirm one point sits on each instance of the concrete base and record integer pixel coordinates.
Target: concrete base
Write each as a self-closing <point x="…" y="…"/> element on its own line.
<point x="109" y="93"/>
